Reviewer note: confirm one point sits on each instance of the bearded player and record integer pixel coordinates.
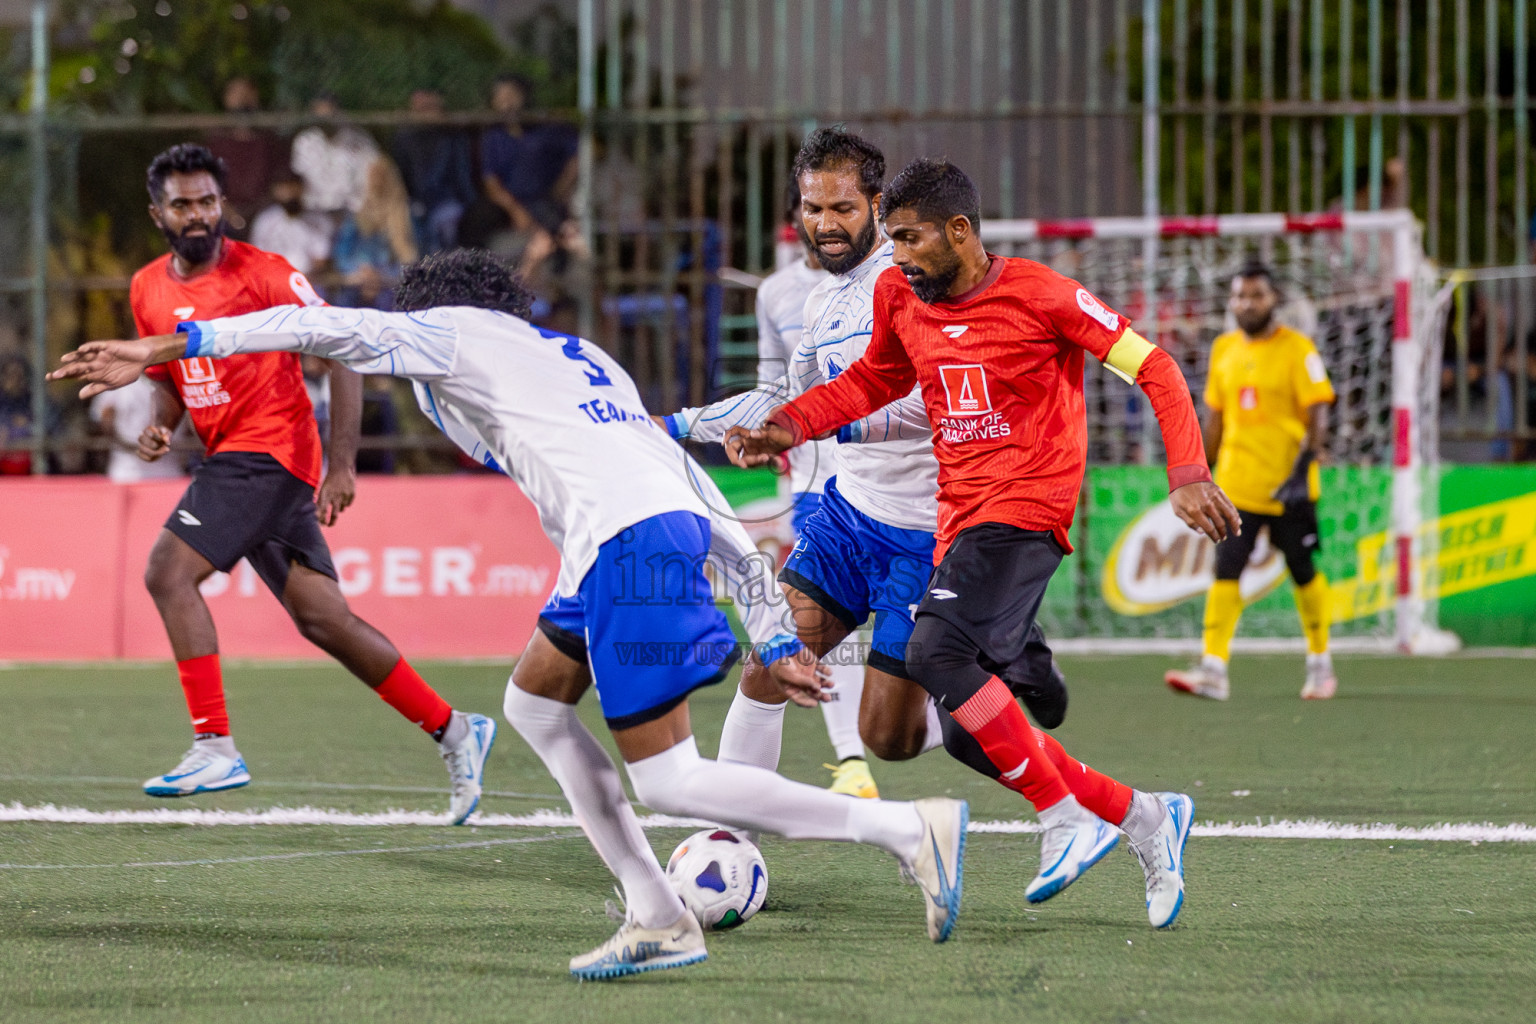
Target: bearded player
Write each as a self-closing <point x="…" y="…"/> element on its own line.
<point x="867" y="549"/>
<point x="1268" y="394"/>
<point x="996" y="346"/>
<point x="254" y="496"/>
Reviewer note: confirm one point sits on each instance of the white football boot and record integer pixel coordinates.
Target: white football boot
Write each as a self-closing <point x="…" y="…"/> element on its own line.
<point x="1207" y="679"/>
<point x="202" y="770"/>
<point x="939" y="867"/>
<point x="1161" y="855"/>
<point x="466" y="765"/>
<point x="1321" y="682"/>
<point x="1074" y="840"/>
<point x="635" y="950"/>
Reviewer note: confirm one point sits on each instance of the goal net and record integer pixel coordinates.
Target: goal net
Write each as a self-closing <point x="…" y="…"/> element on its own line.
<point x="1358" y="284"/>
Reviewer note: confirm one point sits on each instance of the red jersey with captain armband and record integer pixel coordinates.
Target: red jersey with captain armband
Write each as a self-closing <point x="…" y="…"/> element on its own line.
<point x="245" y="403"/>
<point x="1001" y="370"/>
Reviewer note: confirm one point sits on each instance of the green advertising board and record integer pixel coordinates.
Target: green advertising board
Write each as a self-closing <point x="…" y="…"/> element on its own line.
<point x="1137" y="572"/>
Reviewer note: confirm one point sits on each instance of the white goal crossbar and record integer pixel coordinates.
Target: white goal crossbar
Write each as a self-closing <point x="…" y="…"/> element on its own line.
<point x="1400" y="266"/>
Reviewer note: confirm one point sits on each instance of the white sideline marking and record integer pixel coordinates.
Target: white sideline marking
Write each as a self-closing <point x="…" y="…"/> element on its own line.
<point x="291" y="856"/>
<point x="1449" y="832"/>
<point x="266" y="783"/>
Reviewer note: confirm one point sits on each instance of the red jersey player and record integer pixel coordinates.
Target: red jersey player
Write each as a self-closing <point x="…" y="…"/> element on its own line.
<point x="997" y="347"/>
<point x="254" y="495"/>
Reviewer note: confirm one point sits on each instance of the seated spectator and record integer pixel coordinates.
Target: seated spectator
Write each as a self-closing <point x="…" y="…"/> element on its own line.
<point x="122" y="416"/>
<point x="252" y="157"/>
<point x="375" y="242"/>
<point x="528" y="173"/>
<point x="300" y="236"/>
<point x="333" y="159"/>
<point x="438" y="168"/>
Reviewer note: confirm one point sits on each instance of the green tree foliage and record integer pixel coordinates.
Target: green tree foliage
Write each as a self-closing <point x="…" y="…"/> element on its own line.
<point x="163" y="56"/>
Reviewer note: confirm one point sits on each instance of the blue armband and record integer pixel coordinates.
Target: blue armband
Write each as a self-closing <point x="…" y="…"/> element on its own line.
<point x="781" y="646"/>
<point x="845" y="433"/>
<point x="676" y="426"/>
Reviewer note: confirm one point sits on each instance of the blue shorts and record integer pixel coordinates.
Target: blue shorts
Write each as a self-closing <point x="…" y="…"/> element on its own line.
<point x="806" y="502"/>
<point x="644" y="620"/>
<point x="854" y="566"/>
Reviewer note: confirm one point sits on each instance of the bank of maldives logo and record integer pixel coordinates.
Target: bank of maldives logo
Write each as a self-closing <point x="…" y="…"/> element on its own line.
<point x="965" y="387"/>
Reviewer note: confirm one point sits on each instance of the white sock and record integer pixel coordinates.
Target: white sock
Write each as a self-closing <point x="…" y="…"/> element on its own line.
<point x="591" y="785"/>
<point x="679" y="781"/>
<point x="1144" y="816"/>
<point x="841" y="713"/>
<point x="934" y="737"/>
<point x="458" y="728"/>
<point x="753" y="733"/>
<point x="224" y="746"/>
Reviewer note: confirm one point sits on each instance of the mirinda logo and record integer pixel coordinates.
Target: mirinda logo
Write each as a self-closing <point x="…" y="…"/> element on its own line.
<point x="965" y="387"/>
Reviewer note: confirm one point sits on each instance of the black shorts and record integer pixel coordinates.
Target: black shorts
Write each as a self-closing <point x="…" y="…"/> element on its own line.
<point x="1293" y="533"/>
<point x="989" y="586"/>
<point x="247" y="505"/>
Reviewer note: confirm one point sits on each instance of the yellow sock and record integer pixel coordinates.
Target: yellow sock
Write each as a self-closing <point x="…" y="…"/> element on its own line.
<point x="1312" y="605"/>
<point x="1223" y="607"/>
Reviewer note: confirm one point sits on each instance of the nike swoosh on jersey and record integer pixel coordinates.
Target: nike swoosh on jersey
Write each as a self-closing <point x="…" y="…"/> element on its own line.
<point x="188" y="518"/>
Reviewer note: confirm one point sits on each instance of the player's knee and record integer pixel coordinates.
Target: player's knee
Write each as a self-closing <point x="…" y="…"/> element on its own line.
<point x="1303" y="569"/>
<point x="321" y="627"/>
<point x="663" y="783"/>
<point x="892" y="739"/>
<point x="932" y="651"/>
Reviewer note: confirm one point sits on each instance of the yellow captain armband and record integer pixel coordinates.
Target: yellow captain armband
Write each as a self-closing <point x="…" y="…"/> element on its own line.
<point x="1126" y="355"/>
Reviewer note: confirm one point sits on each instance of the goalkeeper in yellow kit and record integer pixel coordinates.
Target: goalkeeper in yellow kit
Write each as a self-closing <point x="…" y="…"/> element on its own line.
<point x="1267" y="395"/>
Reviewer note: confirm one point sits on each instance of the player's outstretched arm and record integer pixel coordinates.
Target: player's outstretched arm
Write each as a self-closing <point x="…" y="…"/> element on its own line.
<point x="109" y="365"/>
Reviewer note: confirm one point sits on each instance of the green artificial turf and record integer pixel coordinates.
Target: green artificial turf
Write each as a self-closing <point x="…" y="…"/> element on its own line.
<point x="418" y="923"/>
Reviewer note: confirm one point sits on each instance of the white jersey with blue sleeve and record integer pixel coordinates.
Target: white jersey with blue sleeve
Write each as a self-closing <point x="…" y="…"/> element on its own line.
<point x="780" y="310"/>
<point x="884" y="463"/>
<point x="555" y="413"/>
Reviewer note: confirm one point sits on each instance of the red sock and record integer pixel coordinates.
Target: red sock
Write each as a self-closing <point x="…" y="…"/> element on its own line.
<point x="1094" y="790"/>
<point x="409" y="694"/>
<point x="997" y="722"/>
<point x="203" y="683"/>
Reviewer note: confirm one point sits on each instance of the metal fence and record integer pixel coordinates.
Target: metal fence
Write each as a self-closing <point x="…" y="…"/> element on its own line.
<point x="690" y="113"/>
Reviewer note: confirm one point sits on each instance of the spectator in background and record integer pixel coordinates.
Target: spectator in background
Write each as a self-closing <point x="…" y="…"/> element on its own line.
<point x="528" y="173"/>
<point x="254" y="156"/>
<point x="300" y="236"/>
<point x="376" y="241"/>
<point x="437" y="166"/>
<point x="333" y="159"/>
<point x="123" y="415"/>
<point x="16" y="422"/>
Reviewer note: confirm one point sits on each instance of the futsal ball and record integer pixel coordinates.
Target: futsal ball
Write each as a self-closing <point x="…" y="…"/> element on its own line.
<point x="720" y="876"/>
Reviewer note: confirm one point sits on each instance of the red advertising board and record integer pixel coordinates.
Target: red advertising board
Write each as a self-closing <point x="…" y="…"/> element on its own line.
<point x="443" y="566"/>
<point x="61" y="563"/>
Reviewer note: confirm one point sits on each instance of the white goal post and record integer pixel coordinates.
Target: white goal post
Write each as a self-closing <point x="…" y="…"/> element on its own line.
<point x="1357" y="282"/>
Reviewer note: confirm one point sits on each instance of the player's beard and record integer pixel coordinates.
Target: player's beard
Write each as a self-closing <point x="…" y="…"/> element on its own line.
<point x="1256" y="326"/>
<point x="858" y="248"/>
<point x="933" y="285"/>
<point x="196" y="249"/>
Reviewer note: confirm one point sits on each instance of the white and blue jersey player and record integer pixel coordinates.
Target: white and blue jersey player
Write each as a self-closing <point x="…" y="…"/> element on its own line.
<point x="868" y="550"/>
<point x="631" y="515"/>
<point x="780" y="310"/>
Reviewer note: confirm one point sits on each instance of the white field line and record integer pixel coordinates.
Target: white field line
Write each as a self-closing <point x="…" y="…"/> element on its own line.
<point x="1450" y="832"/>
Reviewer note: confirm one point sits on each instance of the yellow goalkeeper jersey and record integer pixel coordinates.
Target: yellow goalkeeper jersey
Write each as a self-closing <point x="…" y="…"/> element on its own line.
<point x="1263" y="390"/>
